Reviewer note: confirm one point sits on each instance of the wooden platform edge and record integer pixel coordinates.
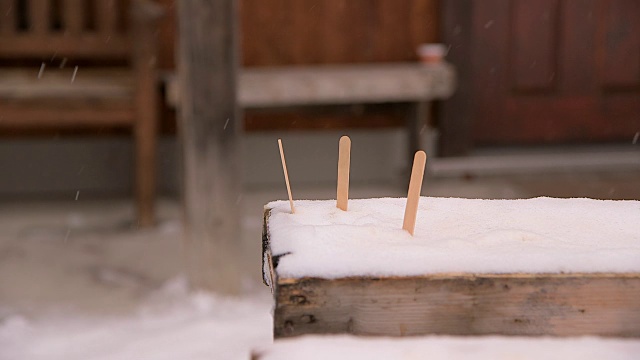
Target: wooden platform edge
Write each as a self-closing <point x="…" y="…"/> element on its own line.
<point x="558" y="304"/>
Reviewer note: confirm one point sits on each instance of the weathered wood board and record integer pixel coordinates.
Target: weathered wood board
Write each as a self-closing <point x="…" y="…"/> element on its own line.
<point x="605" y="304"/>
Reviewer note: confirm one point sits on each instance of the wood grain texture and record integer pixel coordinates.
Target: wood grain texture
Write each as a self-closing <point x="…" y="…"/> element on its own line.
<point x="8" y="16"/>
<point x="337" y="84"/>
<point x="461" y="304"/>
<point x="147" y="104"/>
<point x="294" y="32"/>
<point x="545" y="72"/>
<point x="603" y="304"/>
<point x="209" y="119"/>
<point x="534" y="61"/>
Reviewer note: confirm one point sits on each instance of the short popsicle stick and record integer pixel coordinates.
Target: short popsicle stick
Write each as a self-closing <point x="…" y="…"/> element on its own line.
<point x="344" y="162"/>
<point x="286" y="176"/>
<point x="413" y="196"/>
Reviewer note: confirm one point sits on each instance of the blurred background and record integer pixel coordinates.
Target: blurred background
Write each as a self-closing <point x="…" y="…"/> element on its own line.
<point x="540" y="99"/>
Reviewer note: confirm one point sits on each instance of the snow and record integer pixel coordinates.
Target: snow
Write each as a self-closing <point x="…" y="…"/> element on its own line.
<point x="453" y="235"/>
<point x="451" y="348"/>
<point x="171" y="324"/>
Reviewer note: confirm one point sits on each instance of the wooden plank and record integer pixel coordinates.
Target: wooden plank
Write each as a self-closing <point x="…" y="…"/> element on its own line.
<point x="39" y="16"/>
<point x="579" y="51"/>
<point x="337" y="84"/>
<point x="8" y="18"/>
<point x="345" y="84"/>
<point x="306" y="23"/>
<point x="620" y="46"/>
<point x="85" y="46"/>
<point x="323" y="119"/>
<point x="88" y="83"/>
<point x="534" y="44"/>
<point x="209" y="119"/>
<point x="107" y="16"/>
<point x="353" y="31"/>
<point x="457" y="117"/>
<point x="459" y="304"/>
<point x="73" y="12"/>
<point x="603" y="304"/>
<point x="391" y="31"/>
<point x="65" y="115"/>
<point x="345" y="34"/>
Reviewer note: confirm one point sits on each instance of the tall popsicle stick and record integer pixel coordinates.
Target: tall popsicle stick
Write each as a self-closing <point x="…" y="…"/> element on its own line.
<point x="286" y="176"/>
<point x="415" y="185"/>
<point x="344" y="161"/>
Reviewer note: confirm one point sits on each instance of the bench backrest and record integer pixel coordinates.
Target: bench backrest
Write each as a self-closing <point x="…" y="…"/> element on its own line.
<point x="87" y="29"/>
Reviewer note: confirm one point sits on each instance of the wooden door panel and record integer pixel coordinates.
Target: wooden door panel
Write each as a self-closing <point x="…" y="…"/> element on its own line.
<point x="554" y="71"/>
<point x="533" y="45"/>
<point x="620" y="44"/>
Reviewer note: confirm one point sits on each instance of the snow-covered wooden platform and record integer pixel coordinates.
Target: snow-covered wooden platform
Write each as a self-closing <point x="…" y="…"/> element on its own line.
<point x="541" y="266"/>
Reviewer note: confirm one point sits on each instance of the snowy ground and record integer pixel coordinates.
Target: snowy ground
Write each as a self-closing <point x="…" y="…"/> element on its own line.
<point x="170" y="324"/>
<point x="77" y="282"/>
<point x="452" y="348"/>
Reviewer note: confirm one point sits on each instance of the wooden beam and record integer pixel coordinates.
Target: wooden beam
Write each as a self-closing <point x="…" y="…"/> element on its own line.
<point x="209" y="119"/>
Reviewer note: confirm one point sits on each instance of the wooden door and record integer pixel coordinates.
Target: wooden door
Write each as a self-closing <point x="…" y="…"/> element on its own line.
<point x="543" y="72"/>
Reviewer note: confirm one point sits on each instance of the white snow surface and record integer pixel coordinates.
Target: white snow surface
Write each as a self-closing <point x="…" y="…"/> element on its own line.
<point x="453" y="235"/>
<point x="171" y="324"/>
<point x="451" y="348"/>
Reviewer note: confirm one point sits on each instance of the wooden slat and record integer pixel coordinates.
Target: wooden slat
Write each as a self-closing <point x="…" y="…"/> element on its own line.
<point x="346" y="36"/>
<point x="7" y="16"/>
<point x="73" y="16"/>
<point x="459" y="304"/>
<point x="107" y="16"/>
<point x="345" y="84"/>
<point x="88" y="83"/>
<point x="285" y="32"/>
<point x="322" y="120"/>
<point x="39" y="16"/>
<point x="60" y="114"/>
<point x="391" y="31"/>
<point x="577" y="50"/>
<point x="621" y="44"/>
<point x="87" y="46"/>
<point x="534" y="44"/>
<point x="455" y="123"/>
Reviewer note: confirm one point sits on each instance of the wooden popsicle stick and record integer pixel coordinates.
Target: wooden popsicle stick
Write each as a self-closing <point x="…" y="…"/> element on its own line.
<point x="344" y="162"/>
<point x="413" y="196"/>
<point x="286" y="176"/>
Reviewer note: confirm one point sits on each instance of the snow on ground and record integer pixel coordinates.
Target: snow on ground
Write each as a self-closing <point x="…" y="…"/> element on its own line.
<point x="539" y="235"/>
<point x="451" y="348"/>
<point x="171" y="324"/>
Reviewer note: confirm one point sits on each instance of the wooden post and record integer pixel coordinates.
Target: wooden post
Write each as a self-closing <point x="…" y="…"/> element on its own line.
<point x="209" y="122"/>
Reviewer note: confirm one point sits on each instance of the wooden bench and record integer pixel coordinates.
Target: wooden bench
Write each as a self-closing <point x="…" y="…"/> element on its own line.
<point x="77" y="64"/>
<point x="413" y="83"/>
